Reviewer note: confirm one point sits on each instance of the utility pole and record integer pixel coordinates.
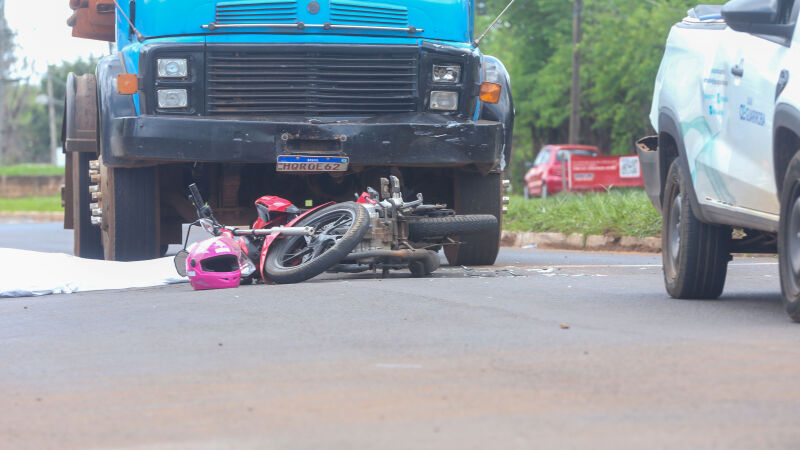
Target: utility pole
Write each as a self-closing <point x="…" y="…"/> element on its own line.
<point x="3" y="71"/>
<point x="51" y="111"/>
<point x="575" y="92"/>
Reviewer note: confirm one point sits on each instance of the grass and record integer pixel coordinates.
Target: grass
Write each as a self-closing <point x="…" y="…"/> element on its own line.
<point x="620" y="212"/>
<point x="31" y="169"/>
<point x="32" y="204"/>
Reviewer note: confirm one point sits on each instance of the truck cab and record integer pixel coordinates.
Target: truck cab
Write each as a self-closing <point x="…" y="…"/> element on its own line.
<point x="309" y="100"/>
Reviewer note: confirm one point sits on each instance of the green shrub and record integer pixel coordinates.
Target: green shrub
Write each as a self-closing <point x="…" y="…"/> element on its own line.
<point x="32" y="204"/>
<point x="620" y="212"/>
<point x="31" y="169"/>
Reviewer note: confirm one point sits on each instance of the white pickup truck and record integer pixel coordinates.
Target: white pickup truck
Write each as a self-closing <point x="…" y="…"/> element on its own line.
<point x="724" y="169"/>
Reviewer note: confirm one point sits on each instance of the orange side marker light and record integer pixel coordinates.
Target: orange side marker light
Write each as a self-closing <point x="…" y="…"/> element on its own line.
<point x="127" y="83"/>
<point x="490" y="92"/>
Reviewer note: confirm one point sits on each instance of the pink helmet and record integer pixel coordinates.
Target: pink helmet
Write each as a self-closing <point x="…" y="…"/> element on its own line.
<point x="214" y="264"/>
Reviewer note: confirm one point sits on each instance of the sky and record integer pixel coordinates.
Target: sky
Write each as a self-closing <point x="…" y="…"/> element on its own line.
<point x="43" y="36"/>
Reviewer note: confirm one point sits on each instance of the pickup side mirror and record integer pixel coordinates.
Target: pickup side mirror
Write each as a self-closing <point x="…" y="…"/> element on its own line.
<point x="756" y="17"/>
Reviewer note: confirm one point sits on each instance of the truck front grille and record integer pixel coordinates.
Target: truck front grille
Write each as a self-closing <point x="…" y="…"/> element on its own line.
<point x="312" y="82"/>
<point x="268" y="11"/>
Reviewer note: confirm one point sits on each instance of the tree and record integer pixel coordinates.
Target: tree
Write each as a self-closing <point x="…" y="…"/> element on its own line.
<point x="622" y="45"/>
<point x="28" y="121"/>
<point x="6" y="62"/>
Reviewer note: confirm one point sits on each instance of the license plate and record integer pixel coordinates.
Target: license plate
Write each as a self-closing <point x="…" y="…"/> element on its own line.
<point x="312" y="163"/>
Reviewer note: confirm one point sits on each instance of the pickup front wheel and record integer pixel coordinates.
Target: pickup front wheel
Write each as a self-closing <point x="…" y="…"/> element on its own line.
<point x="789" y="239"/>
<point x="695" y="254"/>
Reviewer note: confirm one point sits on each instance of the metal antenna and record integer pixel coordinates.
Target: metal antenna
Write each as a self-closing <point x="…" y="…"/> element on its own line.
<point x="139" y="36"/>
<point x="477" y="42"/>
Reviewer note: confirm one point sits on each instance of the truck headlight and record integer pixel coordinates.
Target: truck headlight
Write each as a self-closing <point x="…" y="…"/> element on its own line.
<point x="173" y="98"/>
<point x="173" y="68"/>
<point x="444" y="100"/>
<point x="446" y="73"/>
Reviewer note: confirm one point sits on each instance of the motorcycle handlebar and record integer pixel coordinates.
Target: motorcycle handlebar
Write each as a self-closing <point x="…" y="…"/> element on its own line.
<point x="196" y="198"/>
<point x="288" y="231"/>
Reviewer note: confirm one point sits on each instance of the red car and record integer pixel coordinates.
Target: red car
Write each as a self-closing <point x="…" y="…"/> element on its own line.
<point x="544" y="178"/>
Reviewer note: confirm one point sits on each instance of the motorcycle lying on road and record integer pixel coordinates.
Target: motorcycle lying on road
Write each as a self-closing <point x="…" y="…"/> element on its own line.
<point x="288" y="245"/>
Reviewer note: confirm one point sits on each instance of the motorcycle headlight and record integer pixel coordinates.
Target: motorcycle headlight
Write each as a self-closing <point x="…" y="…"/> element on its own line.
<point x="173" y="68"/>
<point x="446" y="73"/>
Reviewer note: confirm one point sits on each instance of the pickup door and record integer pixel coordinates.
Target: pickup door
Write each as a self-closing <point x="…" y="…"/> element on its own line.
<point x="753" y="74"/>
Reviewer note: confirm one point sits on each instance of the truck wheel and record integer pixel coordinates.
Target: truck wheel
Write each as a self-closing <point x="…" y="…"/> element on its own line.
<point x="477" y="194"/>
<point x="129" y="214"/>
<point x="695" y="255"/>
<point x="87" y="241"/>
<point x="789" y="240"/>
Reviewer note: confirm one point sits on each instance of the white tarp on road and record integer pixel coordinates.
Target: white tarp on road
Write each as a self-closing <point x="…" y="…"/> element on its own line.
<point x="25" y="273"/>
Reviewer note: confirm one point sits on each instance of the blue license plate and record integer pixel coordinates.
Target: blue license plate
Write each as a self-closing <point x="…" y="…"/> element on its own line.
<point x="296" y="163"/>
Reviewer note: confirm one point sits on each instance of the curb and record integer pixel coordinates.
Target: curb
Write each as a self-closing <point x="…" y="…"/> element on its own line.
<point x="575" y="241"/>
<point x="30" y="217"/>
<point x="518" y="239"/>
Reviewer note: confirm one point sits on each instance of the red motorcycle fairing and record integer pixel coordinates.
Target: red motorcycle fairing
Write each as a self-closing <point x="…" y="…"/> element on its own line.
<point x="271" y="238"/>
<point x="274" y="204"/>
<point x="365" y="198"/>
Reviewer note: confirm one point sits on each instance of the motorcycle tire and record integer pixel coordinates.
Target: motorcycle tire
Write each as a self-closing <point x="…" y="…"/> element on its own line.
<point x="440" y="227"/>
<point x="338" y="228"/>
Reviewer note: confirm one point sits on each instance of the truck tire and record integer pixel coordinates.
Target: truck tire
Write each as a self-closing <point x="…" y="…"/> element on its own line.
<point x="437" y="227"/>
<point x="281" y="265"/>
<point x="789" y="241"/>
<point x="130" y="219"/>
<point x="695" y="254"/>
<point x="87" y="241"/>
<point x="475" y="193"/>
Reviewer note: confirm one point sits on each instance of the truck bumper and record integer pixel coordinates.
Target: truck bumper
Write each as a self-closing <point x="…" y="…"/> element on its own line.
<point x="420" y="139"/>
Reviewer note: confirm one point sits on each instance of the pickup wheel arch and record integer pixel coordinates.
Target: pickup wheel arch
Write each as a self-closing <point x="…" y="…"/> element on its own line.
<point x="669" y="128"/>
<point x="786" y="129"/>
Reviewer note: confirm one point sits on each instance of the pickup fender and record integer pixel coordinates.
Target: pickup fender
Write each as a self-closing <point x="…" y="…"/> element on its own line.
<point x="668" y="125"/>
<point x="503" y="111"/>
<point x="111" y="105"/>
<point x="785" y="133"/>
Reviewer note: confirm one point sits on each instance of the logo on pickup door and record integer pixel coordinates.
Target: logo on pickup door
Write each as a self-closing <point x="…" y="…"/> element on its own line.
<point x="748" y="114"/>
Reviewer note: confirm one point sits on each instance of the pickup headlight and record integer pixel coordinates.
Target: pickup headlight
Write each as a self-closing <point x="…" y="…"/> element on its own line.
<point x="444" y="100"/>
<point x="173" y="98"/>
<point x="446" y="73"/>
<point x="173" y="68"/>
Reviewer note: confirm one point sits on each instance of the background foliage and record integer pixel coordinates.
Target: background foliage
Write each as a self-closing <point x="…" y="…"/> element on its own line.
<point x="623" y="42"/>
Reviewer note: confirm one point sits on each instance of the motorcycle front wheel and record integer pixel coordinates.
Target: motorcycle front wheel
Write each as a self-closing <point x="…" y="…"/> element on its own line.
<point x="337" y="231"/>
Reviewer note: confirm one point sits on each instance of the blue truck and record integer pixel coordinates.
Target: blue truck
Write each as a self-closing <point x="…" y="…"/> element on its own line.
<point x="311" y="100"/>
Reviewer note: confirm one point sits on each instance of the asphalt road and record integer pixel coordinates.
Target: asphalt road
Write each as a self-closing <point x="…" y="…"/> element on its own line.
<point x="545" y="350"/>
